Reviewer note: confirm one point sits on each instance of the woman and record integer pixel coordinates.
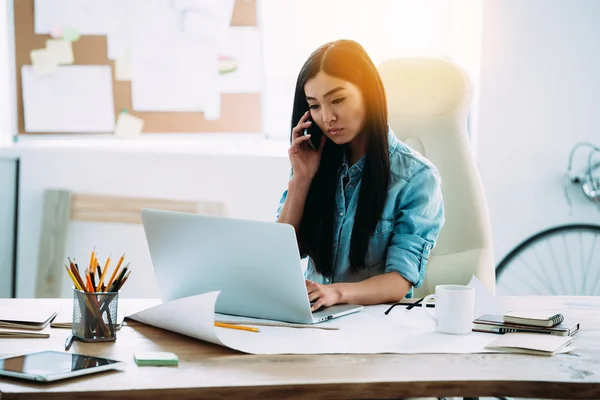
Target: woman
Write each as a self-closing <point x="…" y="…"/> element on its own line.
<point x="366" y="208"/>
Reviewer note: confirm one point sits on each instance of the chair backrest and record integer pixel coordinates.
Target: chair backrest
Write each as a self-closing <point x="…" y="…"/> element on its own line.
<point x="428" y="105"/>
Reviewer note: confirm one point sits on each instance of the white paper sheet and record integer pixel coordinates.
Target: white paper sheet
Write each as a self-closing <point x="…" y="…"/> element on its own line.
<point x="122" y="24"/>
<point x="88" y="17"/>
<point x="485" y="302"/>
<point x="205" y="17"/>
<point x="72" y="99"/>
<point x="243" y="50"/>
<point x="366" y="332"/>
<point x="174" y="75"/>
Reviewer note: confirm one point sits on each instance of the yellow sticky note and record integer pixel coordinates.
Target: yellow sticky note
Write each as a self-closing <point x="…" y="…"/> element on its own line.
<point x="61" y="49"/>
<point x="128" y="126"/>
<point x="43" y="61"/>
<point x="123" y="67"/>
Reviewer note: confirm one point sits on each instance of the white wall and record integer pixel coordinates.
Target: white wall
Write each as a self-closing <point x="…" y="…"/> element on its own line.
<point x="540" y="94"/>
<point x="251" y="187"/>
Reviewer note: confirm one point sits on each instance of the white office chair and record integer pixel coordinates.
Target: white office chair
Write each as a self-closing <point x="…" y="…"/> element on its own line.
<point x="428" y="105"/>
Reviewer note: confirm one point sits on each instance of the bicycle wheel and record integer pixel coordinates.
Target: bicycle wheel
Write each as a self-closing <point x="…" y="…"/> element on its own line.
<point x="563" y="260"/>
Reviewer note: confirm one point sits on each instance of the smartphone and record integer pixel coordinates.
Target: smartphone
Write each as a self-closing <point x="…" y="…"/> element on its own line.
<point x="315" y="135"/>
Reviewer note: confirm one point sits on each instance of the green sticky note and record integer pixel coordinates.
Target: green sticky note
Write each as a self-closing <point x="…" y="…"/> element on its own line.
<point x="70" y="34"/>
<point x="155" y="358"/>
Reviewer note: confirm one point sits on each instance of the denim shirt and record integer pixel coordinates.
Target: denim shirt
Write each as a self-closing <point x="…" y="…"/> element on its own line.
<point x="407" y="231"/>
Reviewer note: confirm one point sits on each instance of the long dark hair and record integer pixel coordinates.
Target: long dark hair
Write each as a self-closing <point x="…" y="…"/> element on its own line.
<point x="347" y="60"/>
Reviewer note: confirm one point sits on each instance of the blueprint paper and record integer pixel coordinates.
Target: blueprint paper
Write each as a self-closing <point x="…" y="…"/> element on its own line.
<point x="366" y="332"/>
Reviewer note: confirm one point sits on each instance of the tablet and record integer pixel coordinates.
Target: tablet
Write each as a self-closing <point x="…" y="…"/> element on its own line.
<point x="50" y="365"/>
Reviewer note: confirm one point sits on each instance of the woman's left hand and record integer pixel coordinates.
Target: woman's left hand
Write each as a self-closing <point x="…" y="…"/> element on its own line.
<point x="322" y="295"/>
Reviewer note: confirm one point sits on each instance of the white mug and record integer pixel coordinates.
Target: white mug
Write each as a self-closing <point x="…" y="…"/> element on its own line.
<point x="454" y="306"/>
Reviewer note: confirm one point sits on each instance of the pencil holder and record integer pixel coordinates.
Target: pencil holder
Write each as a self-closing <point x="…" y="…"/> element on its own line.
<point x="95" y="316"/>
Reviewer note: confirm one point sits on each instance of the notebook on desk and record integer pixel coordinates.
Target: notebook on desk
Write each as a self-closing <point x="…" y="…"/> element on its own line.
<point x="6" y="333"/>
<point x="530" y="343"/>
<point x="492" y="323"/>
<point x="27" y="318"/>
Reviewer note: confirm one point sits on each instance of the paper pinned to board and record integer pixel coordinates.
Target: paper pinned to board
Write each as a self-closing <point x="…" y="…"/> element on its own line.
<point x="88" y="17"/>
<point x="172" y="70"/>
<point x="240" y="61"/>
<point x="123" y="66"/>
<point x="44" y="61"/>
<point x="75" y="98"/>
<point x="128" y="126"/>
<point x="365" y="332"/>
<point x="122" y="25"/>
<point x="205" y="18"/>
<point x="62" y="50"/>
<point x="485" y="302"/>
<point x="174" y="74"/>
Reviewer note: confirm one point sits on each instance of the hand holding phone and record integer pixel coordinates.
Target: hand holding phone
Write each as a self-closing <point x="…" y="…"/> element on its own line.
<point x="305" y="158"/>
<point x="315" y="135"/>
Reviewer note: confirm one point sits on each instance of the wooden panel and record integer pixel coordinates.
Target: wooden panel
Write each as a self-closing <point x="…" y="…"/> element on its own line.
<point x="90" y="207"/>
<point x="239" y="112"/>
<point x="209" y="371"/>
<point x="55" y="221"/>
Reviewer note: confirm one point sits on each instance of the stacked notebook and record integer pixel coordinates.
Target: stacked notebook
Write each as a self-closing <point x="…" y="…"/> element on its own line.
<point x="498" y="324"/>
<point x="521" y="332"/>
<point x="31" y="322"/>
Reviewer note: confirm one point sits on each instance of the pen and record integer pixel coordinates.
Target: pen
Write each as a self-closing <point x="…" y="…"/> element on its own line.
<point x="238" y="327"/>
<point x="68" y="342"/>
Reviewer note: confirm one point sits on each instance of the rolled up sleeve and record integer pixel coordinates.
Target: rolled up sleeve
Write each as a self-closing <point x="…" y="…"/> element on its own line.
<point x="419" y="217"/>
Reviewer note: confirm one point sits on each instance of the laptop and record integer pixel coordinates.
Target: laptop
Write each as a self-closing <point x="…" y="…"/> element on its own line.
<point x="254" y="264"/>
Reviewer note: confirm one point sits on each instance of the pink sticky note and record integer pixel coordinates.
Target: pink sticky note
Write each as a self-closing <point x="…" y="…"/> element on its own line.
<point x="56" y="32"/>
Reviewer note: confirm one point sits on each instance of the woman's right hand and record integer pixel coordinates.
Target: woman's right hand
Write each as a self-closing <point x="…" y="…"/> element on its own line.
<point x="304" y="159"/>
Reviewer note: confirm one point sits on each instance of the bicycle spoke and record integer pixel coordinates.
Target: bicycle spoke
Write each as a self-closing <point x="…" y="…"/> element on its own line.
<point x="560" y="279"/>
<point x="593" y="291"/>
<point x="534" y="273"/>
<point x="545" y="272"/>
<point x="563" y="260"/>
<point x="589" y="263"/>
<point x="568" y="259"/>
<point x="581" y="257"/>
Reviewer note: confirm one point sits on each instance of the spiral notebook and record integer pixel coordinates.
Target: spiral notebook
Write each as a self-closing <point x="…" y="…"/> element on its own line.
<point x="539" y="318"/>
<point x="493" y="323"/>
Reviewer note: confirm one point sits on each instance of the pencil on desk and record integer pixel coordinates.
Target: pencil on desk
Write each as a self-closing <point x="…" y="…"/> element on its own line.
<point x="114" y="274"/>
<point x="101" y="282"/>
<point x="238" y="327"/>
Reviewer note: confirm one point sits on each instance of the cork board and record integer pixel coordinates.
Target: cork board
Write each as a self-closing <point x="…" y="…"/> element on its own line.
<point x="240" y="112"/>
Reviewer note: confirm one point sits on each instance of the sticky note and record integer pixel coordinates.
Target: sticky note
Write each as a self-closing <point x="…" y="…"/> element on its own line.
<point x="62" y="50"/>
<point x="56" y="32"/>
<point x="123" y="67"/>
<point x="128" y="126"/>
<point x="70" y="34"/>
<point x="155" y="358"/>
<point x="43" y="61"/>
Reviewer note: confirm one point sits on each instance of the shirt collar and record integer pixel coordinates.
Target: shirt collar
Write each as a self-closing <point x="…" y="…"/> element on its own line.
<point x="392" y="146"/>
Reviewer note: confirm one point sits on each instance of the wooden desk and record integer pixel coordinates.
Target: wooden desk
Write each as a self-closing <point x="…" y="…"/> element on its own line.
<point x="211" y="372"/>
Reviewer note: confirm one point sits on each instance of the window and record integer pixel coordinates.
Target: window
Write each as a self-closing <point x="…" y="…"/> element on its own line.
<point x="292" y="29"/>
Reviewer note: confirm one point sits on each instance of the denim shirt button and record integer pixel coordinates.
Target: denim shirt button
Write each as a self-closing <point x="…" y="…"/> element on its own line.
<point x="341" y="214"/>
<point x="327" y="280"/>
